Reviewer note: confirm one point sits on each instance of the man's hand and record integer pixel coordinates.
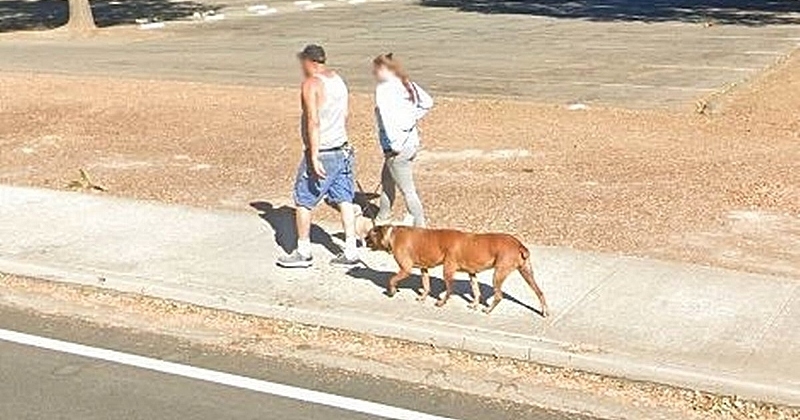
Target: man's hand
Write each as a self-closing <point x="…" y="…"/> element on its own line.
<point x="317" y="168"/>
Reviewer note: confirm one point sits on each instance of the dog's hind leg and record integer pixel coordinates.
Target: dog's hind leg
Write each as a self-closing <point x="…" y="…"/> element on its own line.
<point x="476" y="291"/>
<point x="426" y="285"/>
<point x="526" y="270"/>
<point x="500" y="274"/>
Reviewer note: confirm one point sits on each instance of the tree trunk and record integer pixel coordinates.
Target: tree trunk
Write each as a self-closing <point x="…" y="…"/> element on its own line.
<point x="80" y="16"/>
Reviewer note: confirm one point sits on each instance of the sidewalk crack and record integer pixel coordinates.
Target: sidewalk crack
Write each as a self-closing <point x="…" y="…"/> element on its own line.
<point x="769" y="325"/>
<point x="582" y="298"/>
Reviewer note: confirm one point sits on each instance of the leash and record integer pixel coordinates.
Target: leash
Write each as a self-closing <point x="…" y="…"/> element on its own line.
<point x="374" y="192"/>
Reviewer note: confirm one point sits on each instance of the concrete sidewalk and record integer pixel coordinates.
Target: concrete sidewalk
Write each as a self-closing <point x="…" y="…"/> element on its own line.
<point x="706" y="328"/>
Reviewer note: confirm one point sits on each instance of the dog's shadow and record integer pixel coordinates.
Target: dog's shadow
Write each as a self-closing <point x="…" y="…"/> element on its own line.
<point x="281" y="219"/>
<point x="461" y="288"/>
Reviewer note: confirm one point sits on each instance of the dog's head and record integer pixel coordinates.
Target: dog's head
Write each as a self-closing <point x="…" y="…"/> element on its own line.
<point x="379" y="238"/>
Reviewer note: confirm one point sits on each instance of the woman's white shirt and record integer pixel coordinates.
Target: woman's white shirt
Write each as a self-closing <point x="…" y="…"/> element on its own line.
<point x="397" y="115"/>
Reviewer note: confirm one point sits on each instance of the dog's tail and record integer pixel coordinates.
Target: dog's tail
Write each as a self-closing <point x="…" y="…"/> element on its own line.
<point x="526" y="259"/>
<point x="526" y="269"/>
<point x="524" y="253"/>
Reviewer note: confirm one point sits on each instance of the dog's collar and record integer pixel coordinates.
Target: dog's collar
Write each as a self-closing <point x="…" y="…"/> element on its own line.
<point x="389" y="231"/>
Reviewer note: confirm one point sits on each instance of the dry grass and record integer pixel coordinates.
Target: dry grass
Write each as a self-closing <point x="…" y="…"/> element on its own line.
<point x="653" y="183"/>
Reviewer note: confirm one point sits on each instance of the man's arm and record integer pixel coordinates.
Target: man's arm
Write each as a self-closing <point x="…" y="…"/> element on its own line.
<point x="310" y="96"/>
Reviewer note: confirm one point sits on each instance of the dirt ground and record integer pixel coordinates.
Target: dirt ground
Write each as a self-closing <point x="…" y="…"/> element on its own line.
<point x="720" y="189"/>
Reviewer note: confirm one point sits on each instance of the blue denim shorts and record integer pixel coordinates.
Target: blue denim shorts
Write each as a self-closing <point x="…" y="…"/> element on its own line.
<point x="338" y="184"/>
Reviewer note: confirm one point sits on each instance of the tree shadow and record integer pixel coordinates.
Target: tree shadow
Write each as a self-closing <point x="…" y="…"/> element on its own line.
<point x="21" y="15"/>
<point x="281" y="219"/>
<point x="461" y="288"/>
<point x="734" y="12"/>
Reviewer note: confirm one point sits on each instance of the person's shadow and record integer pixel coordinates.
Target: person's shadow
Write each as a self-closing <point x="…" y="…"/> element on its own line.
<point x="368" y="209"/>
<point x="281" y="219"/>
<point x="461" y="288"/>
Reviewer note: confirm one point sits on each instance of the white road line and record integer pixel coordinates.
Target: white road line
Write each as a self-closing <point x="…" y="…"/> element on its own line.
<point x="764" y="53"/>
<point x="242" y="382"/>
<point x="575" y="83"/>
<point x="764" y="38"/>
<point x="700" y="67"/>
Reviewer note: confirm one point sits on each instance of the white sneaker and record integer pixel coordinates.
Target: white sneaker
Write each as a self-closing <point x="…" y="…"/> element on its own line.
<point x="343" y="260"/>
<point x="295" y="260"/>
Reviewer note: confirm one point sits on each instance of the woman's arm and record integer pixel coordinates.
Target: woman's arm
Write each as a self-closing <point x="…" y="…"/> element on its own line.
<point x="386" y="112"/>
<point x="424" y="104"/>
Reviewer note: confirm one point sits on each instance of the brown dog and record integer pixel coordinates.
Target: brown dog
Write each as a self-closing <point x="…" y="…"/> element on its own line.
<point x="458" y="251"/>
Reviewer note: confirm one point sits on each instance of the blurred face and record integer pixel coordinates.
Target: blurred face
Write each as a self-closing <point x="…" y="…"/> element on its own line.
<point x="381" y="72"/>
<point x="308" y="67"/>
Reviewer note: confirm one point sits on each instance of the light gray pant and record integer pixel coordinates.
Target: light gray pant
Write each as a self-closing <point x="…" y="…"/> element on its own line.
<point x="397" y="174"/>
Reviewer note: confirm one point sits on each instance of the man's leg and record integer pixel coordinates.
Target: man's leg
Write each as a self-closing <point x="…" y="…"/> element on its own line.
<point x="342" y="190"/>
<point x="306" y="195"/>
<point x="302" y="220"/>
<point x="349" y="226"/>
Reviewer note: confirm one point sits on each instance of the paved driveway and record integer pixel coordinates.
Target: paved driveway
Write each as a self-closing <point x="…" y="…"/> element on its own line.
<point x="599" y="52"/>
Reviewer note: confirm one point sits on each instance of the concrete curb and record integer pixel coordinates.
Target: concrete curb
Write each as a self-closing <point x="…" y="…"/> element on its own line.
<point x="436" y="333"/>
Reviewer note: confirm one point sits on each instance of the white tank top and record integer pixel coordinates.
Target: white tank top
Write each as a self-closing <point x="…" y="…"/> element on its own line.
<point x="332" y="113"/>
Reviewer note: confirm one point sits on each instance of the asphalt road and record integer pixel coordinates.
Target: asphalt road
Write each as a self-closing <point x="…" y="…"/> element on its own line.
<point x="37" y="383"/>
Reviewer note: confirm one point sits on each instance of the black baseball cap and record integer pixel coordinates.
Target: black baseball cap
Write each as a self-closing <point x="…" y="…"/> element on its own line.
<point x="312" y="52"/>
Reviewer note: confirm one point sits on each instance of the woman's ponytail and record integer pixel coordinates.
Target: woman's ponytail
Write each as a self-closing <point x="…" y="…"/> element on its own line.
<point x="396" y="67"/>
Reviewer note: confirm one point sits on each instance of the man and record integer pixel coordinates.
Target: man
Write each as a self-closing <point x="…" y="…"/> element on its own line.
<point x="327" y="165"/>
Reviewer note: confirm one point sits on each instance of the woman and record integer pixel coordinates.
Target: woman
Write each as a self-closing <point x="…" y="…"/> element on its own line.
<point x="399" y="105"/>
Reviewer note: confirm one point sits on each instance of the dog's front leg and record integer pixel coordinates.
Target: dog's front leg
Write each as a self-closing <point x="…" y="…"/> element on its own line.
<point x="476" y="291"/>
<point x="449" y="280"/>
<point x="426" y="285"/>
<point x="391" y="290"/>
